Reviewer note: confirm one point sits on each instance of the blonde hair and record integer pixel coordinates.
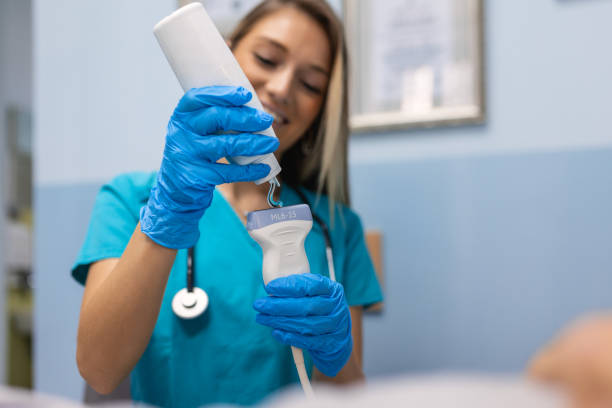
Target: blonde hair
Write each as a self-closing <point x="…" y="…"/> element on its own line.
<point x="318" y="161"/>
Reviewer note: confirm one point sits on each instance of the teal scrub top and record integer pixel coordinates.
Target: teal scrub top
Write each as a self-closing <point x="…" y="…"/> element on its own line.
<point x="222" y="356"/>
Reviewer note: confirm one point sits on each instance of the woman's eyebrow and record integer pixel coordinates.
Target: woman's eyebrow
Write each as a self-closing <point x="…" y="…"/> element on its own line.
<point x="281" y="47"/>
<point x="273" y="43"/>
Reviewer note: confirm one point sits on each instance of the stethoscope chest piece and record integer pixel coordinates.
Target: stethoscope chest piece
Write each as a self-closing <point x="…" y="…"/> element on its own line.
<point x="188" y="305"/>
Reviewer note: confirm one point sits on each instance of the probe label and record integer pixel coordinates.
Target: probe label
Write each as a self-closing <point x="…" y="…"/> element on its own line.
<point x="282" y="216"/>
<point x="259" y="219"/>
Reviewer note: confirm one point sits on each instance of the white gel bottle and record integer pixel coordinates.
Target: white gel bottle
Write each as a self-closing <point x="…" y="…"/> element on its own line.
<point x="200" y="57"/>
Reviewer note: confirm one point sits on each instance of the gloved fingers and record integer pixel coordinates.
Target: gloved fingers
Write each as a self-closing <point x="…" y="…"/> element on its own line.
<point x="231" y="173"/>
<point x="198" y="98"/>
<point x="223" y="119"/>
<point x="187" y="192"/>
<point x="300" y="285"/>
<point x="325" y="343"/>
<point x="305" y="306"/>
<point x="312" y="325"/>
<point x="215" y="147"/>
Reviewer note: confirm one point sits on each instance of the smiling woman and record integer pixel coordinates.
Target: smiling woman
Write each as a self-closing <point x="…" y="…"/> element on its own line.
<point x="285" y="55"/>
<point x="293" y="54"/>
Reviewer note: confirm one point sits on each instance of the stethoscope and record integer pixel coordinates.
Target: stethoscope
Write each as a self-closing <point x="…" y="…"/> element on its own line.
<point x="191" y="301"/>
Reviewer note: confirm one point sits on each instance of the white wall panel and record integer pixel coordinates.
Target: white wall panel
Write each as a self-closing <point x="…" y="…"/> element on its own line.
<point x="104" y="91"/>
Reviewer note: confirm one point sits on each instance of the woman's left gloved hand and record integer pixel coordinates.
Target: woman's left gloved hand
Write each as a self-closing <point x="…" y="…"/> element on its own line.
<point x="309" y="312"/>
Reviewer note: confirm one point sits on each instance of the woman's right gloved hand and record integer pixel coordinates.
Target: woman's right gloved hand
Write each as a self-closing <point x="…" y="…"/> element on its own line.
<point x="189" y="171"/>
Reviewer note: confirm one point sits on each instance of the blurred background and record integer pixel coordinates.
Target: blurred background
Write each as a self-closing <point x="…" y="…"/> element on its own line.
<point x="494" y="233"/>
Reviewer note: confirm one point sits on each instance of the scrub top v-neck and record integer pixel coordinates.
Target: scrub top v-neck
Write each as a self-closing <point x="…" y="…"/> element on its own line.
<point x="223" y="355"/>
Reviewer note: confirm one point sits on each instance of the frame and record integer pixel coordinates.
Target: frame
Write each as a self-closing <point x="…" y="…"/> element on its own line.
<point x="415" y="63"/>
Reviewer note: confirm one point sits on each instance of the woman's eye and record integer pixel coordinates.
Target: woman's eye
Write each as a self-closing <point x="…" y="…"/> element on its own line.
<point x="265" y="61"/>
<point x="312" y="88"/>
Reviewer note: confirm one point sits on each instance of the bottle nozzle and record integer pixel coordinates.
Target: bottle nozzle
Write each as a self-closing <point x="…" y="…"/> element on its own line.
<point x="273" y="185"/>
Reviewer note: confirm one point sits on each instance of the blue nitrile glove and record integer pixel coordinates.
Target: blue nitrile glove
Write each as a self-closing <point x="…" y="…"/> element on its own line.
<point x="309" y="312"/>
<point x="189" y="172"/>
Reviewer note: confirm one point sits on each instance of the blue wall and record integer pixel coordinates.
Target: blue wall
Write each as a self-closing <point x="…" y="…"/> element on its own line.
<point x="495" y="235"/>
<point x="485" y="258"/>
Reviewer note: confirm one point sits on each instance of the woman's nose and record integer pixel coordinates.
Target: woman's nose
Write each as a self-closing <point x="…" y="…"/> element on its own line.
<point x="279" y="86"/>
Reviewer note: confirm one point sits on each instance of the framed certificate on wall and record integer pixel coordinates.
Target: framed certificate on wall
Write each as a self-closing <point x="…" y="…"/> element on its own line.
<point x="415" y="63"/>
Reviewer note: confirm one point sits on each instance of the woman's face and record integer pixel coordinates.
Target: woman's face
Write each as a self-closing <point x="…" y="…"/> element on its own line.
<point x="286" y="56"/>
